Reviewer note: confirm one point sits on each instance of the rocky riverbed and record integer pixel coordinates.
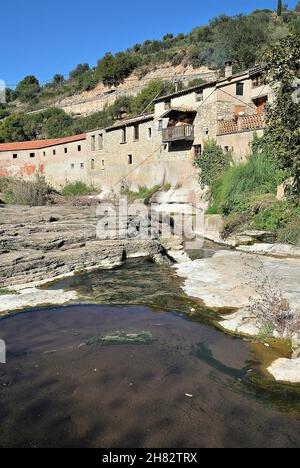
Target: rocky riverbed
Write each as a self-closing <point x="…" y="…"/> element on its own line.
<point x="229" y="279"/>
<point x="43" y="243"/>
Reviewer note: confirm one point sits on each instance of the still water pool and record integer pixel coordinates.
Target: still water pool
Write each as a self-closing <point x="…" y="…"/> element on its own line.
<point x="190" y="385"/>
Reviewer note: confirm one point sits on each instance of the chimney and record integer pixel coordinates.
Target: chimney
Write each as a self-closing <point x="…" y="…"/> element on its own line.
<point x="228" y="69"/>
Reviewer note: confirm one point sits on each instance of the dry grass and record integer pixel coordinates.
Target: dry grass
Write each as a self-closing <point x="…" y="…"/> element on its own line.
<point x="22" y="192"/>
<point x="271" y="310"/>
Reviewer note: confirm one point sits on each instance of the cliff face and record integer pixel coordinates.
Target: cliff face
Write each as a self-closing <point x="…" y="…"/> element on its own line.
<point x="89" y="102"/>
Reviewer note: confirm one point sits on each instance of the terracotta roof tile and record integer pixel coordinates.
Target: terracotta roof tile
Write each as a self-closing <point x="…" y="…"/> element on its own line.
<point x="38" y="144"/>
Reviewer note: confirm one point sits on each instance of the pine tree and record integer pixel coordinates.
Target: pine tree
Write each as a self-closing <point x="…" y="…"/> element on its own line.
<point x="279" y="8"/>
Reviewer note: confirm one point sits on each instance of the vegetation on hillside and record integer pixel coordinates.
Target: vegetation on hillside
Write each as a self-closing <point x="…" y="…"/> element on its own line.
<point x="242" y="38"/>
<point x="55" y="123"/>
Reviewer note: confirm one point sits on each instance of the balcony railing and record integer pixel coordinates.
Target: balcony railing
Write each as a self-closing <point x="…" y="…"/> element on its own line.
<point x="242" y="124"/>
<point x="182" y="132"/>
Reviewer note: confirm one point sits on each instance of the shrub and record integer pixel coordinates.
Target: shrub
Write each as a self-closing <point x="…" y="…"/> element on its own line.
<point x="4" y="183"/>
<point x="77" y="189"/>
<point x="235" y="222"/>
<point x="143" y="100"/>
<point x="282" y="217"/>
<point x="22" y="192"/>
<point x="270" y="309"/>
<point x="290" y="233"/>
<point x="7" y="292"/>
<point x="213" y="162"/>
<point x="28" y="89"/>
<point x="259" y="175"/>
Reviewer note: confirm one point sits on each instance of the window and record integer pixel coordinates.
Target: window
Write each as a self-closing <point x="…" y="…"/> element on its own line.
<point x="136" y="133"/>
<point x="100" y="141"/>
<point x="226" y="149"/>
<point x="79" y="148"/>
<point x="149" y="133"/>
<point x="73" y="166"/>
<point x="92" y="164"/>
<point x="124" y="135"/>
<point x="199" y="96"/>
<point x="257" y="82"/>
<point x="240" y="89"/>
<point x="81" y="165"/>
<point x="130" y="159"/>
<point x="93" y="143"/>
<point x="198" y="150"/>
<point x="44" y="153"/>
<point x="66" y="150"/>
<point x="54" y="152"/>
<point x="15" y="156"/>
<point x="103" y="163"/>
<point x="160" y="125"/>
<point x="32" y="155"/>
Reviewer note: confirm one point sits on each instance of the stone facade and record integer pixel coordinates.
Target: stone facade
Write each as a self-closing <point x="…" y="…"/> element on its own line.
<point x="60" y="161"/>
<point x="150" y="149"/>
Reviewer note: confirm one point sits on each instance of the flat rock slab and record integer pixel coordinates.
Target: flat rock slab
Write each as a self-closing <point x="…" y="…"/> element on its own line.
<point x="239" y="322"/>
<point x="286" y="370"/>
<point x="43" y="243"/>
<point x="32" y="297"/>
<point x="272" y="250"/>
<point x="227" y="279"/>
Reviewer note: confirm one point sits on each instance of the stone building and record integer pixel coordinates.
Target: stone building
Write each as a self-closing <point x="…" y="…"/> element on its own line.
<point x="156" y="148"/>
<point x="60" y="160"/>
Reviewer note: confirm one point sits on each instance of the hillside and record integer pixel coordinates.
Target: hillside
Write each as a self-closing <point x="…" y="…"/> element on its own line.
<point x="94" y="96"/>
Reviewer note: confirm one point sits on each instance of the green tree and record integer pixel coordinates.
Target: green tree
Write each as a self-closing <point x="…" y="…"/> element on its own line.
<point x="12" y="129"/>
<point x="196" y="82"/>
<point x="4" y="112"/>
<point x="79" y="70"/>
<point x="283" y="117"/>
<point x="239" y="39"/>
<point x="168" y="37"/>
<point x="28" y="89"/>
<point x="58" y="80"/>
<point x="10" y="95"/>
<point x="143" y="100"/>
<point x="56" y="123"/>
<point x="213" y="162"/>
<point x="113" y="70"/>
<point x="279" y="8"/>
<point x="51" y="123"/>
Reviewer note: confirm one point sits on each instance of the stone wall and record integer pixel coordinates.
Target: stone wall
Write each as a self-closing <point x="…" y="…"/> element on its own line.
<point x="97" y="99"/>
<point x="152" y="162"/>
<point x="59" y="164"/>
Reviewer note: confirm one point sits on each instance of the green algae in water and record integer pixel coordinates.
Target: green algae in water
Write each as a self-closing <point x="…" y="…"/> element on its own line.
<point x="122" y="338"/>
<point x="7" y="292"/>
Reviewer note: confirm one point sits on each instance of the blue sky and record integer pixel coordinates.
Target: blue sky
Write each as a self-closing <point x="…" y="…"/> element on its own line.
<point x="44" y="38"/>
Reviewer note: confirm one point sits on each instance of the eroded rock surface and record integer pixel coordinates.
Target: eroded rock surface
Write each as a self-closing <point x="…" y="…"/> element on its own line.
<point x="286" y="370"/>
<point x="228" y="278"/>
<point x="43" y="243"/>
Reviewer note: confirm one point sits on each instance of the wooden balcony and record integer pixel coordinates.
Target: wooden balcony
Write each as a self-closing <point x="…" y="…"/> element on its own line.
<point x="182" y="132"/>
<point x="242" y="124"/>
